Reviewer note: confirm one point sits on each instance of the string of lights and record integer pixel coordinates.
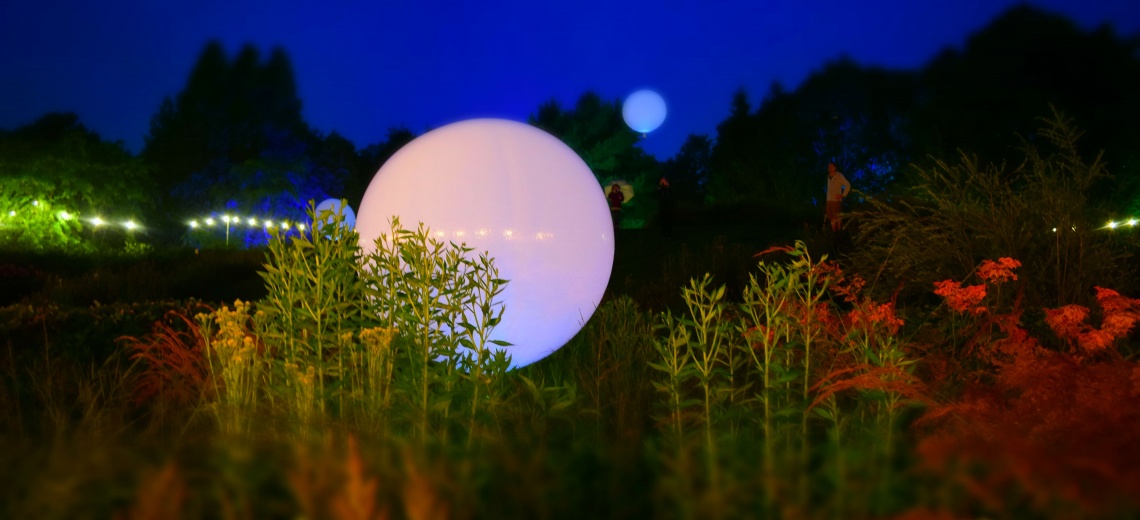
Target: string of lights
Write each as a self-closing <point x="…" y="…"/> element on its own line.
<point x="1117" y="224"/>
<point x="232" y="220"/>
<point x="130" y="224"/>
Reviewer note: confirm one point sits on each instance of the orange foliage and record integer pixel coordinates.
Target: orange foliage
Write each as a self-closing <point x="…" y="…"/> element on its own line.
<point x="174" y="366"/>
<point x="1069" y="322"/>
<point x="961" y="299"/>
<point x="325" y="487"/>
<point x="845" y="286"/>
<point x="1055" y="431"/>
<point x="865" y="377"/>
<point x="995" y="273"/>
<point x="357" y="498"/>
<point x="868" y="315"/>
<point x="760" y="335"/>
<point x="160" y="496"/>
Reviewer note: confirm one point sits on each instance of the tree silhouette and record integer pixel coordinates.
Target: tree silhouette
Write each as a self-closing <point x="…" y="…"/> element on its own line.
<point x="874" y="122"/>
<point x="234" y="139"/>
<point x="688" y="171"/>
<point x="858" y="119"/>
<point x="734" y="162"/>
<point x="1010" y="72"/>
<point x="595" y="129"/>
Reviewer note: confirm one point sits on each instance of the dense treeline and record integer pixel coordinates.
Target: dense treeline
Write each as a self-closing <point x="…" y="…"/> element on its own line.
<point x="233" y="139"/>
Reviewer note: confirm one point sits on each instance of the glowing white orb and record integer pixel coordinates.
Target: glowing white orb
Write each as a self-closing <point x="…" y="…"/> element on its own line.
<point x="644" y="111"/>
<point x="332" y="206"/>
<point x="520" y="194"/>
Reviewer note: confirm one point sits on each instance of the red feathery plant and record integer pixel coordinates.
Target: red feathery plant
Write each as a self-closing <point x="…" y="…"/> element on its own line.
<point x="1049" y="431"/>
<point x="174" y="367"/>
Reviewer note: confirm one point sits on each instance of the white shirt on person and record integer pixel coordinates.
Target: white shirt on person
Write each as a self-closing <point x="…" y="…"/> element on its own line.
<point x="837" y="187"/>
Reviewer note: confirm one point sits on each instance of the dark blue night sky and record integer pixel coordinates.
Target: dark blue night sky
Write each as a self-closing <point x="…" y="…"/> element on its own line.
<point x="365" y="66"/>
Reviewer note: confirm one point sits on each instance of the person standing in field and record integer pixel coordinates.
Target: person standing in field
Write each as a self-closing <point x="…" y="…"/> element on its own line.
<point x="616" y="198"/>
<point x="665" y="207"/>
<point x="837" y="189"/>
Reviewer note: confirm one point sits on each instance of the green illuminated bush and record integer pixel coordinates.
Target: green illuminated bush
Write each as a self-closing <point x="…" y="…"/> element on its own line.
<point x="54" y="174"/>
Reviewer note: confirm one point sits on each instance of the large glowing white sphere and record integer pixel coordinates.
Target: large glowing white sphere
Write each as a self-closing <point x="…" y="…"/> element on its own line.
<point x="520" y="194"/>
<point x="643" y="111"/>
<point x="332" y="206"/>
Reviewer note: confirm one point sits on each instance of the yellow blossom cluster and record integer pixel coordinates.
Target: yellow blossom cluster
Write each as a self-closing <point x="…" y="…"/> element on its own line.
<point x="377" y="339"/>
<point x="233" y="351"/>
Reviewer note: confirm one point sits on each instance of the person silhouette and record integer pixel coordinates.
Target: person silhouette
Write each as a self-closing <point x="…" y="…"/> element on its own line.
<point x="665" y="207"/>
<point x="616" y="198"/>
<point x="837" y="189"/>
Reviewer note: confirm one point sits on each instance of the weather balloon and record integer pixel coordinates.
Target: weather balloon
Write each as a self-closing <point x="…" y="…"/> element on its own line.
<point x="644" y="111"/>
<point x="523" y="196"/>
<point x="332" y="206"/>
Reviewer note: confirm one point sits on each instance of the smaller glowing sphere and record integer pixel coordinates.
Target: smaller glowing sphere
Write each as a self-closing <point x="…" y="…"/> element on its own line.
<point x="130" y="224"/>
<point x="523" y="196"/>
<point x="644" y="111"/>
<point x="97" y="221"/>
<point x="332" y="206"/>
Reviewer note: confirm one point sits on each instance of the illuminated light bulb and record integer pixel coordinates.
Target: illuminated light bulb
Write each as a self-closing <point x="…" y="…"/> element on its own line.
<point x="1131" y="222"/>
<point x="1074" y="228"/>
<point x="98" y="221"/>
<point x="644" y="111"/>
<point x="460" y="233"/>
<point x="130" y="224"/>
<point x="35" y="203"/>
<point x="65" y="215"/>
<point x="1112" y="225"/>
<point x="440" y="234"/>
<point x="226" y="219"/>
<point x="1054" y="230"/>
<point x="332" y="207"/>
<point x="511" y="180"/>
<point x="209" y="222"/>
<point x="12" y="213"/>
<point x="252" y="222"/>
<point x="268" y="223"/>
<point x="284" y="224"/>
<point x="193" y="223"/>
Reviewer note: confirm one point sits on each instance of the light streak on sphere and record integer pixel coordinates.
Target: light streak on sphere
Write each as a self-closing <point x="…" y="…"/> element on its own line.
<point x="644" y="111"/>
<point x="332" y="206"/>
<point x="523" y="196"/>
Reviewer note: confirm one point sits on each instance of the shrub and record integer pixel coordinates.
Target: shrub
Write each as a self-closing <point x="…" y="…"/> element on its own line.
<point x="960" y="213"/>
